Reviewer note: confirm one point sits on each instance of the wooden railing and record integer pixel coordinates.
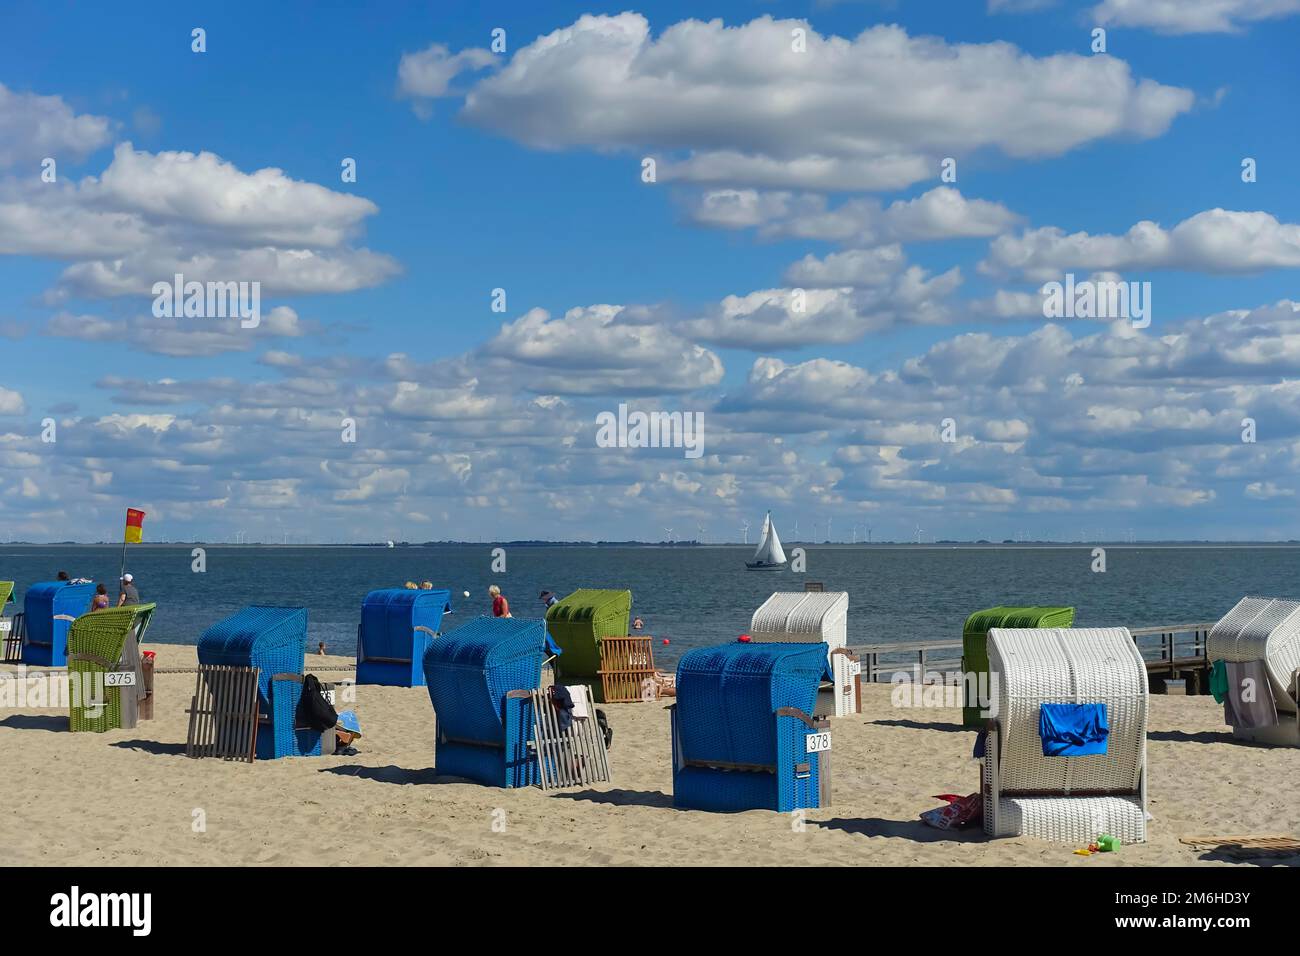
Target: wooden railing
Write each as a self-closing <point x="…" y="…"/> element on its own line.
<point x="1167" y="649"/>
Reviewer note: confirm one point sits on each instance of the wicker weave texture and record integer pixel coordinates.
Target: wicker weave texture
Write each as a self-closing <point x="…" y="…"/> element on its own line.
<point x="579" y="621"/>
<point x="803" y="616"/>
<point x="46" y="605"/>
<point x="272" y="639"/>
<point x="1075" y="820"/>
<point x="1036" y="666"/>
<point x="1266" y="629"/>
<point x="389" y="618"/>
<point x="727" y="695"/>
<point x="105" y="635"/>
<point x="470" y="670"/>
<point x="974" y="643"/>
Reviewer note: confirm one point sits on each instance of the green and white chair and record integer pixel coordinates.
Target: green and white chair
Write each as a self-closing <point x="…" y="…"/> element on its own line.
<point x="105" y="676"/>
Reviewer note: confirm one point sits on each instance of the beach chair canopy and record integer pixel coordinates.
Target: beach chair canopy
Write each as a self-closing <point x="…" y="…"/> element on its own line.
<point x="727" y="696"/>
<point x="7" y="590"/>
<point x="1262" y="629"/>
<point x="470" y="670"/>
<point x="272" y="639"/>
<point x="390" y="615"/>
<point x="578" y="622"/>
<point x="974" y="644"/>
<point x="1036" y="666"/>
<point x="802" y="617"/>
<point x="981" y="622"/>
<point x="100" y="642"/>
<point x="47" y="637"/>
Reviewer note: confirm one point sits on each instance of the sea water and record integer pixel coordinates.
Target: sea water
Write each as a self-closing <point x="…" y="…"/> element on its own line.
<point x="689" y="595"/>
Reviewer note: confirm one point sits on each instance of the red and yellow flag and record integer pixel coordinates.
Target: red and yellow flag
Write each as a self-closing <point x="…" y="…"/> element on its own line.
<point x="134" y="526"/>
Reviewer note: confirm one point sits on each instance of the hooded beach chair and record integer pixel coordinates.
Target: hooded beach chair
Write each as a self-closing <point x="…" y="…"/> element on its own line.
<point x="578" y="624"/>
<point x="1045" y="678"/>
<point x="802" y="617"/>
<point x="397" y="626"/>
<point x="105" y="672"/>
<point x="480" y="678"/>
<point x="1265" y="630"/>
<point x="273" y="640"/>
<point x="744" y="737"/>
<point x="974" y="647"/>
<point x="9" y="625"/>
<point x="49" y="608"/>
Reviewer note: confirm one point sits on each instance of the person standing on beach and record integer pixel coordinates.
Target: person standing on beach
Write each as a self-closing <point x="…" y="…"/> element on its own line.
<point x="100" y="600"/>
<point x="500" y="606"/>
<point x="128" y="594"/>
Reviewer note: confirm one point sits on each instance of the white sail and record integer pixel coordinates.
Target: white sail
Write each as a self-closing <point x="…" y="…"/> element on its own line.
<point x="775" y="553"/>
<point x="769" y="546"/>
<point x="761" y="551"/>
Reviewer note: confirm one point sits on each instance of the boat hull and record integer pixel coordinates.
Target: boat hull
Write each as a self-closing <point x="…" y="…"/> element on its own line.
<point x="759" y="566"/>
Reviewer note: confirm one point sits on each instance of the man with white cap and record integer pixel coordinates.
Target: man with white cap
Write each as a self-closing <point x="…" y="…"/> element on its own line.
<point x="127" y="593"/>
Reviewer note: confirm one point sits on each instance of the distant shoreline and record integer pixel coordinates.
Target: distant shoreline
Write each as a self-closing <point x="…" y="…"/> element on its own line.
<point x="838" y="545"/>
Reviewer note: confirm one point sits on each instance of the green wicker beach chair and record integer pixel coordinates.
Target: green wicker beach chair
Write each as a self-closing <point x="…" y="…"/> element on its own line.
<point x="11" y="638"/>
<point x="577" y="624"/>
<point x="101" y="643"/>
<point x="974" y="646"/>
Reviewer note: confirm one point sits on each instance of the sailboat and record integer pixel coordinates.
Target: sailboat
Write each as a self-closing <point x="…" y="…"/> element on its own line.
<point x="770" y="556"/>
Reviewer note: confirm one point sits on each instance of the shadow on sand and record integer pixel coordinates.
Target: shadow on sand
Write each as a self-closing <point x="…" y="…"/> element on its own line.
<point x="623" y="798"/>
<point x="921" y="725"/>
<point x="393" y="774"/>
<point x="1219" y="856"/>
<point x="1200" y="737"/>
<point x="52" y="722"/>
<point x="913" y="830"/>
<point x="160" y="747"/>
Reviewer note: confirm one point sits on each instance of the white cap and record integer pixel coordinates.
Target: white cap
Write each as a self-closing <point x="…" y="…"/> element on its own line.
<point x="127" y="578"/>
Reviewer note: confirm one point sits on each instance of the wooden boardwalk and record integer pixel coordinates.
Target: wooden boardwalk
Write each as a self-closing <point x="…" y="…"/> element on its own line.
<point x="1171" y="652"/>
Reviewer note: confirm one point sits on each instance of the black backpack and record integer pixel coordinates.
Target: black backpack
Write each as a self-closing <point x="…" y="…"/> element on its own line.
<point x="314" y="711"/>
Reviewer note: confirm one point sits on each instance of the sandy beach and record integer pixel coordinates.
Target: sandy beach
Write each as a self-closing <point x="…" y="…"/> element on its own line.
<point x="132" y="797"/>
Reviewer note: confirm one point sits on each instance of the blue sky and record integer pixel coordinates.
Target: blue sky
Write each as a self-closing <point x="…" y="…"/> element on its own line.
<point x="521" y="170"/>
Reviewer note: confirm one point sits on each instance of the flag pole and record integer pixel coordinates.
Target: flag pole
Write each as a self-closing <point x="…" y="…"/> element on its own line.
<point x="123" y="570"/>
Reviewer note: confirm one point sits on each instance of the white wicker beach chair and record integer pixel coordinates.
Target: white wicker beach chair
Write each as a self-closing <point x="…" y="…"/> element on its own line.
<point x="796" y="617"/>
<point x="1268" y="630"/>
<point x="1065" y="799"/>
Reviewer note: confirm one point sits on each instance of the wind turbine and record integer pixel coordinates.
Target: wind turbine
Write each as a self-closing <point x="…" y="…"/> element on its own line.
<point x="700" y="528"/>
<point x="919" y="531"/>
<point x="795" y="536"/>
<point x="670" y="535"/>
<point x="828" y="529"/>
<point x="745" y="529"/>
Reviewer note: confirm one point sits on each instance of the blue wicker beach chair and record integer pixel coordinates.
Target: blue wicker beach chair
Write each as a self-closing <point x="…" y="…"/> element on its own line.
<point x="49" y="608"/>
<point x="480" y="679"/>
<point x="272" y="639"/>
<point x="397" y="626"/>
<point x="744" y="737"/>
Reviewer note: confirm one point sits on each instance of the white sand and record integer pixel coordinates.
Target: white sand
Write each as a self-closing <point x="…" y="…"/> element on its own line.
<point x="131" y="796"/>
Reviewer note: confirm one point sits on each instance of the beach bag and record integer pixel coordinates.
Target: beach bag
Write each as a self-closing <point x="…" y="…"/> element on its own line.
<point x="314" y="711"/>
<point x="959" y="812"/>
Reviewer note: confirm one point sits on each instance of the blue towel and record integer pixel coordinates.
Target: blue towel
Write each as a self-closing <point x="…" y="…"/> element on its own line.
<point x="1073" y="730"/>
